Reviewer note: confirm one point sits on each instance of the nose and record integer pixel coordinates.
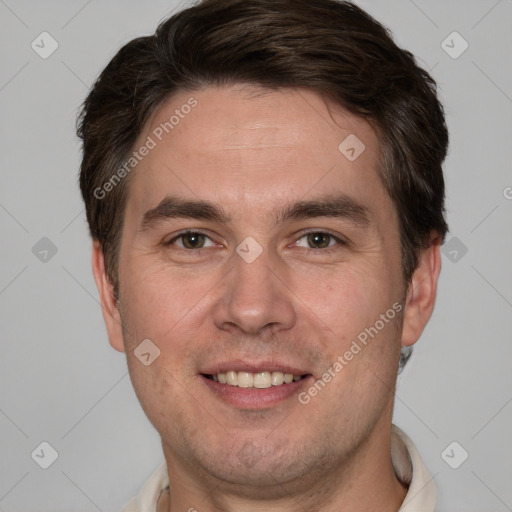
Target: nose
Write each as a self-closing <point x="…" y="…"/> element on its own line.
<point x="254" y="298"/>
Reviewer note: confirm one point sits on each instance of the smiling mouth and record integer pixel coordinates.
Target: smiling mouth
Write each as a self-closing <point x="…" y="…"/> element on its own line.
<point x="259" y="380"/>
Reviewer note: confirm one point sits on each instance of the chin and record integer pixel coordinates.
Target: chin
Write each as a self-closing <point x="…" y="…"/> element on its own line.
<point x="262" y="468"/>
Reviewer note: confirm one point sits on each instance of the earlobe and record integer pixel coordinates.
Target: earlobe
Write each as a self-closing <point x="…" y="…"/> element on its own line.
<point x="109" y="304"/>
<point x="421" y="295"/>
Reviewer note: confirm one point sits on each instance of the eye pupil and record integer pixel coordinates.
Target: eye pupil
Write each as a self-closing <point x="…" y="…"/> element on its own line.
<point x="193" y="240"/>
<point x="318" y="240"/>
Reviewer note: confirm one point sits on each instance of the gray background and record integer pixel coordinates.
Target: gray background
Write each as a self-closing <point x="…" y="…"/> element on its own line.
<point x="62" y="382"/>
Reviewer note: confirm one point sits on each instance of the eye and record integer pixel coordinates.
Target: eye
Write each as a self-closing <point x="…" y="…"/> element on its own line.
<point x="318" y="240"/>
<point x="191" y="240"/>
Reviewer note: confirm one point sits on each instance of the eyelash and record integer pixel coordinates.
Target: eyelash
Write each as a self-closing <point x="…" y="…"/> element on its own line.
<point x="340" y="241"/>
<point x="183" y="234"/>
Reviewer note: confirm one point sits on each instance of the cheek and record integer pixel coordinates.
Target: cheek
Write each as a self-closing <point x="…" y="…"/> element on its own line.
<point x="161" y="301"/>
<point x="346" y="299"/>
<point x="162" y="392"/>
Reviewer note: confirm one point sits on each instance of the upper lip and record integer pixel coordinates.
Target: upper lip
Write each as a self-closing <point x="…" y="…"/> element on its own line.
<point x="239" y="365"/>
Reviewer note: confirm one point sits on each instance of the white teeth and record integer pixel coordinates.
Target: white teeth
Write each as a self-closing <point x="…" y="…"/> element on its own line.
<point x="277" y="378"/>
<point x="245" y="380"/>
<point x="231" y="378"/>
<point x="260" y="380"/>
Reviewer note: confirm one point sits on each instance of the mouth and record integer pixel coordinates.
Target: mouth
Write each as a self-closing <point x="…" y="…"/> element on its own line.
<point x="255" y="388"/>
<point x="258" y="380"/>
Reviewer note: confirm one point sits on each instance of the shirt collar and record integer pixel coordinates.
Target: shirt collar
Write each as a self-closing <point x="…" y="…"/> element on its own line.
<point x="410" y="470"/>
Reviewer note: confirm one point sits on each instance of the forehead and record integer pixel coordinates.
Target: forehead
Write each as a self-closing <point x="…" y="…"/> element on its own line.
<point x="242" y="143"/>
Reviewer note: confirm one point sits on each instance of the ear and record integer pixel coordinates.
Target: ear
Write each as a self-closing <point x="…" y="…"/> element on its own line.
<point x="421" y="294"/>
<point x="109" y="304"/>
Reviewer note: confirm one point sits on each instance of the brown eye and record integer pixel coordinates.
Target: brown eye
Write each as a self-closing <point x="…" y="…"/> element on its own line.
<point x="191" y="240"/>
<point x="315" y="240"/>
<point x="319" y="240"/>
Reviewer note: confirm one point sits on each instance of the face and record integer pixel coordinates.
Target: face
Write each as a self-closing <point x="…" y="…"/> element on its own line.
<point x="252" y="243"/>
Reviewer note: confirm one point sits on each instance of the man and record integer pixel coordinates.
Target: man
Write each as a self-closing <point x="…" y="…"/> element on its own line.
<point x="264" y="190"/>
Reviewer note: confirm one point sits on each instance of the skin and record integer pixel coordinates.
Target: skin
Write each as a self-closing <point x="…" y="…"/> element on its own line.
<point x="251" y="152"/>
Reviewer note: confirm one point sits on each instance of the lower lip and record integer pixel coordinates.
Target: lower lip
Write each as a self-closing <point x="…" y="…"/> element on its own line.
<point x="256" y="398"/>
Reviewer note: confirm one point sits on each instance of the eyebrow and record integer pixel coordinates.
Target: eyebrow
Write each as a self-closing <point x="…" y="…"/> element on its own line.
<point x="174" y="207"/>
<point x="335" y="206"/>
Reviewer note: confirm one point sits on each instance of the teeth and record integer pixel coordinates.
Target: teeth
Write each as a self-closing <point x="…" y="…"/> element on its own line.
<point x="245" y="380"/>
<point x="277" y="378"/>
<point x="232" y="378"/>
<point x="260" y="380"/>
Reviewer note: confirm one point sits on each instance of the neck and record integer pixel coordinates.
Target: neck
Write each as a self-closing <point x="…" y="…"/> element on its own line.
<point x="365" y="481"/>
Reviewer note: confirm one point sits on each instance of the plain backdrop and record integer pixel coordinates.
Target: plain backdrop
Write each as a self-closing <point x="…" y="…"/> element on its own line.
<point x="62" y="383"/>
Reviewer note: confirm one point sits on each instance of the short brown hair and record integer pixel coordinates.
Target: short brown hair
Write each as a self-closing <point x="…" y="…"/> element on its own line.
<point x="328" y="46"/>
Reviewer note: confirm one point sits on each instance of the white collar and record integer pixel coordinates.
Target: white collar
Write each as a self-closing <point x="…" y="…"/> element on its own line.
<point x="409" y="469"/>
